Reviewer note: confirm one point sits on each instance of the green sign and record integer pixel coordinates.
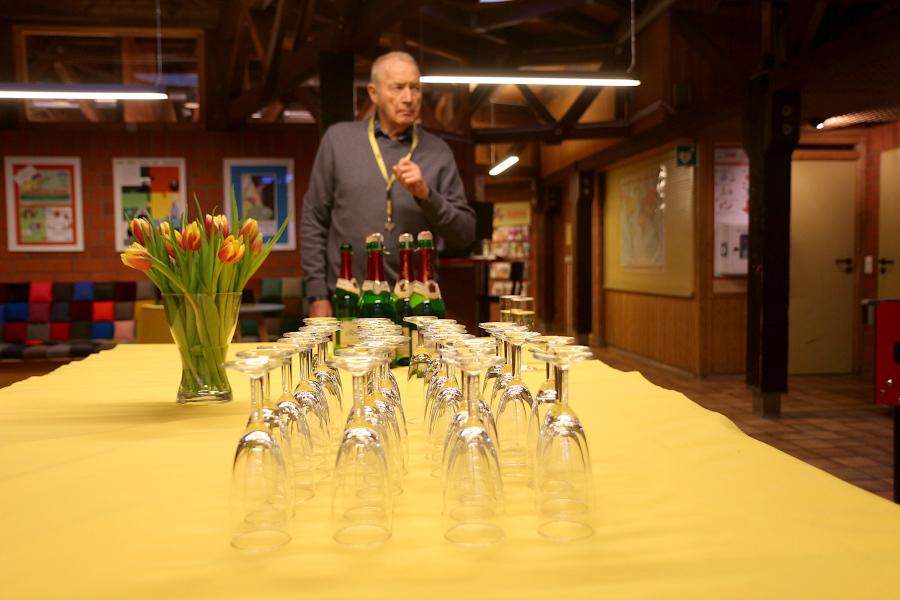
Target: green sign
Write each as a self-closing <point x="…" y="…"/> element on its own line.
<point x="686" y="155"/>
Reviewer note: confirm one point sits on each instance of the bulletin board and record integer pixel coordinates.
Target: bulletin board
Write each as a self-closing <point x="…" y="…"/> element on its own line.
<point x="648" y="227"/>
<point x="149" y="188"/>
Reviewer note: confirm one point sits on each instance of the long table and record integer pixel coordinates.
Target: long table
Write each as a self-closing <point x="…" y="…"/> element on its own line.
<point x="110" y="490"/>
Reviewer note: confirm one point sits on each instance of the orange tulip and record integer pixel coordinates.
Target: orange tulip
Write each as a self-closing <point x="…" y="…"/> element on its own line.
<point x="137" y="257"/>
<point x="249" y="228"/>
<point x="221" y="224"/>
<point x="190" y="239"/>
<point x="165" y="229"/>
<point x="140" y="228"/>
<point x="256" y="243"/>
<point x="232" y="250"/>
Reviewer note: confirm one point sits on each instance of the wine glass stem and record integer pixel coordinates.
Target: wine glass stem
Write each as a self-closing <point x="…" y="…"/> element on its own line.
<point x="287" y="377"/>
<point x="515" y="360"/>
<point x="471" y="386"/>
<point x="256" y="396"/>
<point x="267" y="385"/>
<point x="561" y="375"/>
<point x="359" y="391"/>
<point x="548" y="370"/>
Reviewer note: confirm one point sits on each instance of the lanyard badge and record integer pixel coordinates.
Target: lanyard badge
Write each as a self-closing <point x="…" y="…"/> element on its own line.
<point x="388" y="180"/>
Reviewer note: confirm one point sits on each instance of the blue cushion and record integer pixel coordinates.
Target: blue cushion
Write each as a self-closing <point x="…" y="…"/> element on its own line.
<point x="102" y="330"/>
<point x="16" y="311"/>
<point x="2" y="313"/>
<point x="84" y="290"/>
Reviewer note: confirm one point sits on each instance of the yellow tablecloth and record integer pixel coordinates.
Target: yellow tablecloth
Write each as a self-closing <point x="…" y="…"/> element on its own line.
<point x="110" y="490"/>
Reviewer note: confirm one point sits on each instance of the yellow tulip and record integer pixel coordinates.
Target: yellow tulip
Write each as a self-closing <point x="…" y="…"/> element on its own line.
<point x="232" y="250"/>
<point x="137" y="257"/>
<point x="190" y="239"/>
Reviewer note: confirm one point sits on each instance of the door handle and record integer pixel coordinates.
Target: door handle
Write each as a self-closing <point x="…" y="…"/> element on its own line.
<point x="845" y="264"/>
<point x="885" y="263"/>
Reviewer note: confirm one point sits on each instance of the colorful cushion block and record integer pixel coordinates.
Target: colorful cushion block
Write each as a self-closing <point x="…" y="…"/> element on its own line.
<point x="40" y="291"/>
<point x="35" y="351"/>
<point x="17" y="292"/>
<point x="271" y="290"/>
<point x="60" y="311"/>
<point x="105" y="291"/>
<point x="37" y="333"/>
<point x="83" y="290"/>
<point x="16" y="311"/>
<point x="15" y="332"/>
<point x="145" y="290"/>
<point x="60" y="332"/>
<point x="124" y="311"/>
<point x="81" y="330"/>
<point x="102" y="330"/>
<point x="63" y="291"/>
<point x="126" y="291"/>
<point x="82" y="310"/>
<point x="291" y="287"/>
<point x="39" y="312"/>
<point x="103" y="311"/>
<point x="124" y="331"/>
<point x="4" y="292"/>
<point x="63" y="350"/>
<point x="2" y="313"/>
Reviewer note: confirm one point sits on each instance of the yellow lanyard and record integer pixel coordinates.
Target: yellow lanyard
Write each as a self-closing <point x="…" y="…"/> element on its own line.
<point x="389" y="180"/>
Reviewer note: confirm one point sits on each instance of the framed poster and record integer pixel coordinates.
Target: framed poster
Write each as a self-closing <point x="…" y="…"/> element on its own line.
<point x="732" y="212"/>
<point x="147" y="187"/>
<point x="264" y="189"/>
<point x="43" y="204"/>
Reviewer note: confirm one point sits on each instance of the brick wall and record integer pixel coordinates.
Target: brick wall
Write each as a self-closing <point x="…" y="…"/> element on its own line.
<point x="203" y="152"/>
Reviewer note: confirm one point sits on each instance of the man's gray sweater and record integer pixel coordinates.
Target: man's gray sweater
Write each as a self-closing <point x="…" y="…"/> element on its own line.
<point x="346" y="201"/>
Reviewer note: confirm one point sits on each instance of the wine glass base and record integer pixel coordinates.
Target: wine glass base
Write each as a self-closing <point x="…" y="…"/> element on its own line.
<point x="565" y="531"/>
<point x="474" y="534"/>
<point x="261" y="540"/>
<point x="364" y="534"/>
<point x="202" y="398"/>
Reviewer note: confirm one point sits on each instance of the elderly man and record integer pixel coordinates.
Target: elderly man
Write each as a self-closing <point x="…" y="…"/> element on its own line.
<point x="384" y="174"/>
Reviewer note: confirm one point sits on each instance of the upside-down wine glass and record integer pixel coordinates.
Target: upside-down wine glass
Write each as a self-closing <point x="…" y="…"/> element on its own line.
<point x="563" y="483"/>
<point x="473" y="488"/>
<point x="546" y="394"/>
<point x="295" y="427"/>
<point x="259" y="506"/>
<point x="361" y="502"/>
<point x="513" y="408"/>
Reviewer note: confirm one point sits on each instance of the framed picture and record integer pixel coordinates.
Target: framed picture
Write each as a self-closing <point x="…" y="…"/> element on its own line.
<point x="147" y="187"/>
<point x="264" y="190"/>
<point x="43" y="204"/>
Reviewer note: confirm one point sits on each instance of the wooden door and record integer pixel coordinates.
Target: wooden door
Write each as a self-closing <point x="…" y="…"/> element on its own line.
<point x="888" y="263"/>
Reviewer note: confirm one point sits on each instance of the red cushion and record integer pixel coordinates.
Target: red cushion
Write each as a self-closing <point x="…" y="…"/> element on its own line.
<point x="40" y="291"/>
<point x="60" y="332"/>
<point x="39" y="312"/>
<point x="104" y="311"/>
<point x="14" y="332"/>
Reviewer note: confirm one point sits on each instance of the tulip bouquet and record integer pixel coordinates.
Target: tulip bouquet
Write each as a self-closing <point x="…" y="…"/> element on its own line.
<point x="201" y="271"/>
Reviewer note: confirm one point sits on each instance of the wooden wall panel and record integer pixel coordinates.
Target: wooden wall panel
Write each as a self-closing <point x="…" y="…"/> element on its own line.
<point x="728" y="342"/>
<point x="660" y="328"/>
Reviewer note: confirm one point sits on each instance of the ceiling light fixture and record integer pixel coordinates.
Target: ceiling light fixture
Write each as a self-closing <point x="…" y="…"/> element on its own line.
<point x="524" y="77"/>
<point x="503" y="165"/>
<point x="98" y="92"/>
<point x="53" y="91"/>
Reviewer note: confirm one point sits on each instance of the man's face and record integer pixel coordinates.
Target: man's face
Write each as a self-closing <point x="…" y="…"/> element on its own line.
<point x="397" y="94"/>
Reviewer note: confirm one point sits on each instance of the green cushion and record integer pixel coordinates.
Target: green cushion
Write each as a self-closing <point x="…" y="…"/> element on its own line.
<point x="271" y="290"/>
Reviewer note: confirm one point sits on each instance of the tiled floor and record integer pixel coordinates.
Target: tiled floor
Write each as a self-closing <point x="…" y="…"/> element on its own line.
<point x="829" y="421"/>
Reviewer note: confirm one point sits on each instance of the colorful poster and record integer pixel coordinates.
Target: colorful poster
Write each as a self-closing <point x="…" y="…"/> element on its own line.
<point x="147" y="187"/>
<point x="264" y="190"/>
<point x="644" y="220"/>
<point x="43" y="204"/>
<point x="732" y="210"/>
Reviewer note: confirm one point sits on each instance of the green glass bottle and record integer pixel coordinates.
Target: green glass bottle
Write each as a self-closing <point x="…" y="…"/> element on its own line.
<point x="345" y="302"/>
<point x="403" y="292"/>
<point x="376" y="300"/>
<point x="426" y="294"/>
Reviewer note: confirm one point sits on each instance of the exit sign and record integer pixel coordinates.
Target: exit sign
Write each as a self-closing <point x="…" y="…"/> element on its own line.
<point x="686" y="155"/>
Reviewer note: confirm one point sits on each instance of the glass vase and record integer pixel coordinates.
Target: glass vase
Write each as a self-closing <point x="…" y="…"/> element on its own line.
<point x="202" y="326"/>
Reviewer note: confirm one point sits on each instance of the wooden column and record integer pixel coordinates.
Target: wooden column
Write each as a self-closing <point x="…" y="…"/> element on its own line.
<point x="771" y="132"/>
<point x="584" y="244"/>
<point x="336" y="88"/>
<point x="9" y="109"/>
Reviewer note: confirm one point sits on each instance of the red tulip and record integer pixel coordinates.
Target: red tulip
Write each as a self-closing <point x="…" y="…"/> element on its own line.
<point x="232" y="250"/>
<point x="137" y="257"/>
<point x="249" y="228"/>
<point x="256" y="243"/>
<point x="190" y="239"/>
<point x="220" y="222"/>
<point x="140" y="228"/>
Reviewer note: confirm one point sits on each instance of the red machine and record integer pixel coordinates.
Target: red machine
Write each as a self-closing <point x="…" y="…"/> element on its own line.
<point x="887" y="352"/>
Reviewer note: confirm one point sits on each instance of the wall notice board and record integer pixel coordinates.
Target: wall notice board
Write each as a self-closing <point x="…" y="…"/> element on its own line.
<point x="648" y="227"/>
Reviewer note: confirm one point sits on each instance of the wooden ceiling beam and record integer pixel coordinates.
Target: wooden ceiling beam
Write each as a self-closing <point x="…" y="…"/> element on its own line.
<point x="502" y="16"/>
<point x="576" y="110"/>
<point x="720" y="59"/>
<point x="549" y="133"/>
<point x="87" y="107"/>
<point x="604" y="52"/>
<point x="537" y="107"/>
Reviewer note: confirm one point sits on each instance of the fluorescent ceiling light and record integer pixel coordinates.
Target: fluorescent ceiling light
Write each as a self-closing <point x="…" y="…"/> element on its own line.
<point x="503" y="165"/>
<point x="52" y="91"/>
<point x="542" y="78"/>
